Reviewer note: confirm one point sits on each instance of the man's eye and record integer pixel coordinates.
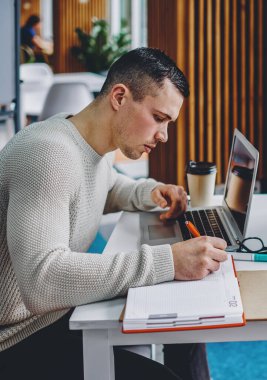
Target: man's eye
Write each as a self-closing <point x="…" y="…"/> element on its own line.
<point x="158" y="119"/>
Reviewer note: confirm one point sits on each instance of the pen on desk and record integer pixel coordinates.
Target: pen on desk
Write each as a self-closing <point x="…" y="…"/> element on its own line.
<point x="245" y="256"/>
<point x="191" y="228"/>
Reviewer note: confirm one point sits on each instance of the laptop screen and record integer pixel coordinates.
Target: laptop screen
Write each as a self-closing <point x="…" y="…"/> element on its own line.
<point x="239" y="182"/>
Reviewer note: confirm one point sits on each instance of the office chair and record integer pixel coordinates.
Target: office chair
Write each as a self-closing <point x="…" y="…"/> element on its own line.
<point x="36" y="80"/>
<point x="70" y="97"/>
<point x="36" y="72"/>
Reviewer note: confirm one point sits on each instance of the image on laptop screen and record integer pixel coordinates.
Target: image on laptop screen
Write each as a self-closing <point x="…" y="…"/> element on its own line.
<point x="239" y="181"/>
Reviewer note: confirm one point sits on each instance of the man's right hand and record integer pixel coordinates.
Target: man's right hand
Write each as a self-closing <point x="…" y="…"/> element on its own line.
<point x="194" y="259"/>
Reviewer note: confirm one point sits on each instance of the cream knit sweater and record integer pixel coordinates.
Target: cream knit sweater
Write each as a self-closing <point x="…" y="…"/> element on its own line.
<point x="53" y="190"/>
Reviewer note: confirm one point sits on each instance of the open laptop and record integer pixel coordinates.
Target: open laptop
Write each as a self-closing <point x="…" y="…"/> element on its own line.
<point x="228" y="220"/>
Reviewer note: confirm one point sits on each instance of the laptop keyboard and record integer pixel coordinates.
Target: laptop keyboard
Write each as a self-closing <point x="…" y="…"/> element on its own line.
<point x="207" y="222"/>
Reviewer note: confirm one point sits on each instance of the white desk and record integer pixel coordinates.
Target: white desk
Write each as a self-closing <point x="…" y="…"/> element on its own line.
<point x="100" y="321"/>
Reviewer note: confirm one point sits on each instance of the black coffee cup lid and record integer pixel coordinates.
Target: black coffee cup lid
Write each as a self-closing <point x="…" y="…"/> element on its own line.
<point x="243" y="172"/>
<point x="200" y="167"/>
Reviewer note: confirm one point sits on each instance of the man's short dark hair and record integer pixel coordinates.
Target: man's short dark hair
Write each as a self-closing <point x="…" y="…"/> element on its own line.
<point x="142" y="70"/>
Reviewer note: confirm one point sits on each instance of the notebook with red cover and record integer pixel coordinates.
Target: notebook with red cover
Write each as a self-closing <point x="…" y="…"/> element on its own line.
<point x="212" y="302"/>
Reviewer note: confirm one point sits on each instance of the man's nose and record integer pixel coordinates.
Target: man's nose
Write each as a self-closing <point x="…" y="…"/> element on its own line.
<point x="162" y="135"/>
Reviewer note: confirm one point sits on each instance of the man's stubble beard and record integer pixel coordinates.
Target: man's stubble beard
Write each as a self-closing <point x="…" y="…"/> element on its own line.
<point x="123" y="138"/>
<point x="130" y="153"/>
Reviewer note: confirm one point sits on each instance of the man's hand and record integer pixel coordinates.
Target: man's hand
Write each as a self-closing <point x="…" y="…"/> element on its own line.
<point x="170" y="196"/>
<point x="196" y="258"/>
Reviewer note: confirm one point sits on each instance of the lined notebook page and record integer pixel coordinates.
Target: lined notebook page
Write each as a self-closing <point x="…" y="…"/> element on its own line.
<point x="211" y="295"/>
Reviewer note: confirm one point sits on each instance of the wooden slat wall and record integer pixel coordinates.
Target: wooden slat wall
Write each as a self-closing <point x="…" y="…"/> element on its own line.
<point x="161" y="13"/>
<point x="34" y="9"/>
<point x="261" y="98"/>
<point x="68" y="15"/>
<point x="220" y="48"/>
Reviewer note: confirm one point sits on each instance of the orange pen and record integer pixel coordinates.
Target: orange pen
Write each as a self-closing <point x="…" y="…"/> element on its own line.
<point x="191" y="228"/>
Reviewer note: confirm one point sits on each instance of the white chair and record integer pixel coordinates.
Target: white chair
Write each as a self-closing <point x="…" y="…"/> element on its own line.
<point x="37" y="79"/>
<point x="35" y="72"/>
<point x="94" y="81"/>
<point x="70" y="97"/>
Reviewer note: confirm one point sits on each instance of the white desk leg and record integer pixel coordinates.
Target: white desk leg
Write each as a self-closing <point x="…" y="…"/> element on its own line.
<point x="98" y="358"/>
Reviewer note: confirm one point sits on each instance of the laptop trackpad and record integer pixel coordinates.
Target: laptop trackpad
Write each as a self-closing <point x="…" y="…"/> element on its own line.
<point x="156" y="232"/>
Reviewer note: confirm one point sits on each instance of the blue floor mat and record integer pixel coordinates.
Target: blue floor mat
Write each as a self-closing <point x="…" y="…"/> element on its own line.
<point x="238" y="360"/>
<point x="98" y="244"/>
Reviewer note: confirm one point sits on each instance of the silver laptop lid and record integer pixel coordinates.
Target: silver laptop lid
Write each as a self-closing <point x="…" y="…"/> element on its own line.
<point x="240" y="181"/>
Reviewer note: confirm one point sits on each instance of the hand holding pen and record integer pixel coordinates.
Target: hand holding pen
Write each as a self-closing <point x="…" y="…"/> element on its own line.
<point x="240" y="256"/>
<point x="195" y="258"/>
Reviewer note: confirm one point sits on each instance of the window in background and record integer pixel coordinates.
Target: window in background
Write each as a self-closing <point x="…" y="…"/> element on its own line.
<point x="46" y="14"/>
<point x="135" y="14"/>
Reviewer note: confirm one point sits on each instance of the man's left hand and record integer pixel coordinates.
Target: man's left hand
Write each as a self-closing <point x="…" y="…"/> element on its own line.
<point x="171" y="196"/>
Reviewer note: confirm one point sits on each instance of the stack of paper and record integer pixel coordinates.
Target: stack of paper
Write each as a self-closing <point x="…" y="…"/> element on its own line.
<point x="180" y="305"/>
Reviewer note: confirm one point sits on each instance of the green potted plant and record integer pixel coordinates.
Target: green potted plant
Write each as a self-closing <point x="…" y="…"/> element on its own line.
<point x="98" y="50"/>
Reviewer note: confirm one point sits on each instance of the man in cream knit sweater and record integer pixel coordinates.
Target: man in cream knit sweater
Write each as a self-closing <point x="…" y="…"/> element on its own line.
<point x="56" y="181"/>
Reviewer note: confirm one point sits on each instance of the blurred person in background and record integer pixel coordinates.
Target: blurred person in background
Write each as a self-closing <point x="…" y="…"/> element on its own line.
<point x="35" y="48"/>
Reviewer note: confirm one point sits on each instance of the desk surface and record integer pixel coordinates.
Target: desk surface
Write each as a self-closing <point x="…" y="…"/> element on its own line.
<point x="105" y="314"/>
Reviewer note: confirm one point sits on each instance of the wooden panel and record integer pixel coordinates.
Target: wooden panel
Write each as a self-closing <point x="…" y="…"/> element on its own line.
<point x="251" y="71"/>
<point x="28" y="8"/>
<point x="200" y="83"/>
<point x="220" y="48"/>
<point x="217" y="156"/>
<point x="234" y="65"/>
<point x="260" y="117"/>
<point x="209" y="68"/>
<point x="67" y="16"/>
<point x="162" y="20"/>
<point x="226" y="117"/>
<point x="243" y="81"/>
<point x="183" y="120"/>
<point x="191" y="78"/>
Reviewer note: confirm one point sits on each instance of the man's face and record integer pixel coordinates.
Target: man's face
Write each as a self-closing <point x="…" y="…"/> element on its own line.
<point x="141" y="125"/>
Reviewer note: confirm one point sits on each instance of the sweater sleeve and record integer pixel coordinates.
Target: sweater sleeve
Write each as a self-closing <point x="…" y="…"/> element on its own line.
<point x="128" y="194"/>
<point x="50" y="276"/>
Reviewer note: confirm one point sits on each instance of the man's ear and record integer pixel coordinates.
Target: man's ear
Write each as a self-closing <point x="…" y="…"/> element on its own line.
<point x="118" y="96"/>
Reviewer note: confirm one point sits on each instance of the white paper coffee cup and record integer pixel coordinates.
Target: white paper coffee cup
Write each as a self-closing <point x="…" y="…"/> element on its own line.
<point x="201" y="178"/>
